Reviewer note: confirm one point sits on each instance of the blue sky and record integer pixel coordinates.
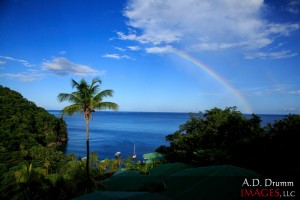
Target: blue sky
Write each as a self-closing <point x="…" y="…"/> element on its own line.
<point x="157" y="55"/>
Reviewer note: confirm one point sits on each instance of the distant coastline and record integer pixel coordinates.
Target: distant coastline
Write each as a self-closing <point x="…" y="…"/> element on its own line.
<point x="266" y="118"/>
<point x="124" y="111"/>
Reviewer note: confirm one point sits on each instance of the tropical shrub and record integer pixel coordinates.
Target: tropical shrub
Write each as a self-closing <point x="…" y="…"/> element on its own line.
<point x="228" y="137"/>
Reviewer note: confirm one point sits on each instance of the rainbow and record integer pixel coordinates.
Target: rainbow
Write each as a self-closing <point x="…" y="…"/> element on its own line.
<point x="217" y="77"/>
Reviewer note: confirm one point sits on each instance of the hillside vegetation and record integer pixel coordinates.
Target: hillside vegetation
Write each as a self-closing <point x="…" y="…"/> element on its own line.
<point x="28" y="138"/>
<point x="23" y="124"/>
<point x="220" y="137"/>
<point x="31" y="167"/>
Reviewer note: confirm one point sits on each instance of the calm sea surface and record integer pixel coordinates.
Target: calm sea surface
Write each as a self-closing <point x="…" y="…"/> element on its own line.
<point x="111" y="132"/>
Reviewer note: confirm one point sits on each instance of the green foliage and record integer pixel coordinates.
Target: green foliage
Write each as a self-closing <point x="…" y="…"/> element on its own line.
<point x="143" y="168"/>
<point x="210" y="138"/>
<point x="281" y="144"/>
<point x="31" y="167"/>
<point x="28" y="165"/>
<point x="23" y="124"/>
<point x="227" y="137"/>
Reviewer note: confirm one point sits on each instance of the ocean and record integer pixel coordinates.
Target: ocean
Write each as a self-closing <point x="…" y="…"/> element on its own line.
<point x="112" y="132"/>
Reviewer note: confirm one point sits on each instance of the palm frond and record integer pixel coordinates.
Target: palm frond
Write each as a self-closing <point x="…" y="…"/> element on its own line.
<point x="94" y="81"/>
<point x="73" y="97"/>
<point x="94" y="90"/>
<point x="106" y="105"/>
<point x="102" y="94"/>
<point x="83" y="83"/>
<point x="93" y="87"/>
<point x="63" y="97"/>
<point x="81" y="86"/>
<point x="86" y="96"/>
<point x="70" y="110"/>
<point x="74" y="83"/>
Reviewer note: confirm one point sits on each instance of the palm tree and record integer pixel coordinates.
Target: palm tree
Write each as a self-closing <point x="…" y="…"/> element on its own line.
<point x="86" y="99"/>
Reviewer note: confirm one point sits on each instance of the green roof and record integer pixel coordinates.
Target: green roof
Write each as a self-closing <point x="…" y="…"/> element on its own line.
<point x="168" y="169"/>
<point x="179" y="181"/>
<point x="123" y="196"/>
<point x="213" y="182"/>
<point x="154" y="156"/>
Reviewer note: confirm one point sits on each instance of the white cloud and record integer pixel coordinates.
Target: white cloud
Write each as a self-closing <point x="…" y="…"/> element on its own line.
<point x="215" y="46"/>
<point x="134" y="48"/>
<point x="281" y="29"/>
<point x="20" y="76"/>
<point x="8" y="58"/>
<point x="280" y="90"/>
<point x="160" y="50"/>
<point x="294" y="6"/>
<point x="142" y="39"/>
<point x="292" y="110"/>
<point x="297" y="92"/>
<point x="203" y="25"/>
<point x="120" y="48"/>
<point x="23" y="62"/>
<point x="116" y="56"/>
<point x="271" y="55"/>
<point x="62" y="66"/>
<point x="2" y="62"/>
<point x="30" y="75"/>
<point x="62" y="52"/>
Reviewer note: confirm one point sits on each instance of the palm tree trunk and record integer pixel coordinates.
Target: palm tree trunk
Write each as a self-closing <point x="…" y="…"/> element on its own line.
<point x="87" y="154"/>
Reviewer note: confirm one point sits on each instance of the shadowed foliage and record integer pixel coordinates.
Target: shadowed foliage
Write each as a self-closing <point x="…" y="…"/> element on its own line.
<point x="227" y="137"/>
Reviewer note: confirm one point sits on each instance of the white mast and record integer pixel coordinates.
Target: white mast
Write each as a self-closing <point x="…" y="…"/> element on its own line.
<point x="134" y="155"/>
